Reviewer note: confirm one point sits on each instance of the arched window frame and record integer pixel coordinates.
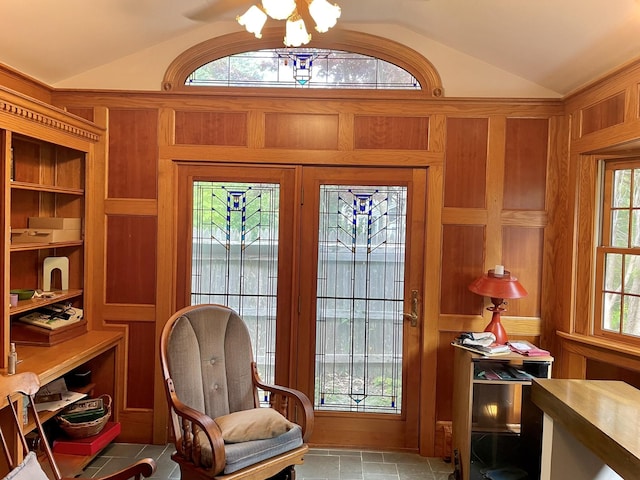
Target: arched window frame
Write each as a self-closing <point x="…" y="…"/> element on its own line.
<point x="345" y="40"/>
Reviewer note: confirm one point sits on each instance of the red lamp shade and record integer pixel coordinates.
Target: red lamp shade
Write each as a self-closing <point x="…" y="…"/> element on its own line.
<point x="497" y="287"/>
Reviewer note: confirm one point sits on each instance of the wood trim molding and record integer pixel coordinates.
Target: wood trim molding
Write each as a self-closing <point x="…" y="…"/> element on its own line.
<point x="20" y="107"/>
<point x="337" y="39"/>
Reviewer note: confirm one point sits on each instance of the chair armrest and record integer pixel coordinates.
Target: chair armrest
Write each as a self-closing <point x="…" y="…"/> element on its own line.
<point x="279" y="399"/>
<point x="187" y="441"/>
<point x="142" y="468"/>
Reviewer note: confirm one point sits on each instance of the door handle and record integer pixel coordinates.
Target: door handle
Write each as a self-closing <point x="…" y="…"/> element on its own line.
<point x="413" y="316"/>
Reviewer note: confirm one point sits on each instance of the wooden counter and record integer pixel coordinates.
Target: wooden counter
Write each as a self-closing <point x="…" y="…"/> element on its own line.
<point x="99" y="351"/>
<point x="50" y="363"/>
<point x="594" y="422"/>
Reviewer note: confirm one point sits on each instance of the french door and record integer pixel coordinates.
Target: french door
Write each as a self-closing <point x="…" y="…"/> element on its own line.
<point x="325" y="264"/>
<point x="361" y="270"/>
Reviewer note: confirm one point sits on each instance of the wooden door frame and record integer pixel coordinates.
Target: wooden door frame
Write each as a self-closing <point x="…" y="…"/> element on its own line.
<point x="385" y="430"/>
<point x="286" y="177"/>
<point x="431" y="326"/>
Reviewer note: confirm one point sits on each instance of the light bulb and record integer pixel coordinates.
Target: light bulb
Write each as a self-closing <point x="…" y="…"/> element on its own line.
<point x="279" y="9"/>
<point x="253" y="20"/>
<point x="296" y="32"/>
<point x="324" y="14"/>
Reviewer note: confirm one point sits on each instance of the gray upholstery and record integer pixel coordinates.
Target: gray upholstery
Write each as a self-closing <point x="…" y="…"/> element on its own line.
<point x="209" y="354"/>
<point x="240" y="455"/>
<point x="210" y="357"/>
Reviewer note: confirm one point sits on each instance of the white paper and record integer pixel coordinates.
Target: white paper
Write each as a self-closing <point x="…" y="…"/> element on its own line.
<point x="68" y="398"/>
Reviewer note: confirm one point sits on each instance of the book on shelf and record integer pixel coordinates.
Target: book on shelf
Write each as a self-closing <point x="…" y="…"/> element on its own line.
<point x="53" y="317"/>
<point x="506" y="372"/>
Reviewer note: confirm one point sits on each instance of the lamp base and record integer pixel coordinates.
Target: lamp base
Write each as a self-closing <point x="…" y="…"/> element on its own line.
<point x="496" y="327"/>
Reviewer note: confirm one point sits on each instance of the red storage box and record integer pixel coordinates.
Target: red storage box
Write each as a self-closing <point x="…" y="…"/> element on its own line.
<point x="89" y="445"/>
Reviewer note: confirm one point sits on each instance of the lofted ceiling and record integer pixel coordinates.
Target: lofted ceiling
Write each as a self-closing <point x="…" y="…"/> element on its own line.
<point x="558" y="45"/>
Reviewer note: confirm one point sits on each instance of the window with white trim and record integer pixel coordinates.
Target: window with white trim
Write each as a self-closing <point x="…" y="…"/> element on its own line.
<point x="618" y="253"/>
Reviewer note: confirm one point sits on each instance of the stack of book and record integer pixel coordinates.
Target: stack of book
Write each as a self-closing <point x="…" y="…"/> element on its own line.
<point x="481" y="342"/>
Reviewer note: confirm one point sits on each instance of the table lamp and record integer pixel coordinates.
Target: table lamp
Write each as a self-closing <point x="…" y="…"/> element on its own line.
<point x="497" y="284"/>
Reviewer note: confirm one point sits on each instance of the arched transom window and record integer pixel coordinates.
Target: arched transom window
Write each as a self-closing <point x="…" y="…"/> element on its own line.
<point x="306" y="67"/>
<point x="346" y="60"/>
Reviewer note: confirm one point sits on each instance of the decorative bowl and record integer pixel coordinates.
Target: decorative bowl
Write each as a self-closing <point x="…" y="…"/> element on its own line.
<point x="23" y="294"/>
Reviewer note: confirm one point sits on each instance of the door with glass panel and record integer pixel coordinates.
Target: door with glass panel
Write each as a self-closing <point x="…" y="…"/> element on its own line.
<point x="237" y="236"/>
<point x="361" y="264"/>
<point x="327" y="273"/>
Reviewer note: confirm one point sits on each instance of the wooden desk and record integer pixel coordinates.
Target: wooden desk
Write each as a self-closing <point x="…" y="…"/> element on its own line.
<point x="591" y="428"/>
<point x="97" y="350"/>
<point x="50" y="363"/>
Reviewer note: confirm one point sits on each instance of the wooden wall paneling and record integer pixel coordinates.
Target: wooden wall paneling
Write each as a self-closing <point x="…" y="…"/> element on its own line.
<point x="23" y="268"/>
<point x="466" y="162"/>
<point x="431" y="294"/>
<point x="605" y="113"/>
<point x="82" y="112"/>
<point x="444" y="385"/>
<point x="597" y="370"/>
<point x="95" y="230"/>
<point x="165" y="274"/>
<point x="586" y="223"/>
<point x="389" y="132"/>
<point x="346" y="127"/>
<point x="462" y="262"/>
<point x="25" y="204"/>
<point x="142" y="358"/>
<point x="131" y="260"/>
<point x="301" y="131"/>
<point x="525" y="168"/>
<point x="211" y="128"/>
<point x="133" y="153"/>
<point x="556" y="293"/>
<point x="29" y="152"/>
<point x="522" y="256"/>
<point x="69" y="171"/>
<point x="495" y="190"/>
<point x="336" y="148"/>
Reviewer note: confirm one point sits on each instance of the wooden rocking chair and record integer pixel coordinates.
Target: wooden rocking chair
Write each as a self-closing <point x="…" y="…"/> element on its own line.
<point x="30" y="469"/>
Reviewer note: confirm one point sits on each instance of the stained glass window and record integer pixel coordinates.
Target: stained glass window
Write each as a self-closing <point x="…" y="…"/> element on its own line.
<point x="298" y="68"/>
<point x="359" y="322"/>
<point x="235" y="257"/>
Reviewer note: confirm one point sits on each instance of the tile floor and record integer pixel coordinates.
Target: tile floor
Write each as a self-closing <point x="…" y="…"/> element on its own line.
<point x="319" y="464"/>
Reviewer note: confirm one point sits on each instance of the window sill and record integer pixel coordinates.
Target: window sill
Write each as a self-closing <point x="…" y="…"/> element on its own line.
<point x="602" y="349"/>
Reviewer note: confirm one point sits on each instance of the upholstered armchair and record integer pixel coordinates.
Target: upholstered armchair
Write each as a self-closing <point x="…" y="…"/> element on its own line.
<point x="211" y="381"/>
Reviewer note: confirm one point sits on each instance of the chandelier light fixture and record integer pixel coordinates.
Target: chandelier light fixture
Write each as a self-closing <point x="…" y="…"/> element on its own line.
<point x="324" y="14"/>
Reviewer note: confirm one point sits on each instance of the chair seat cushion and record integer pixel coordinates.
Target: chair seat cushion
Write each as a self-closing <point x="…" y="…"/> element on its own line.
<point x="252" y="424"/>
<point x="240" y="455"/>
<point x="29" y="469"/>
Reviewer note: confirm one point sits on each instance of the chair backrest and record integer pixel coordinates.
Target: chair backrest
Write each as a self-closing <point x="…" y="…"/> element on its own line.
<point x="206" y="351"/>
<point x="28" y="384"/>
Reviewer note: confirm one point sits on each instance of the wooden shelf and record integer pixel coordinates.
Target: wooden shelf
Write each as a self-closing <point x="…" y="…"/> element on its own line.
<point x="502" y="382"/>
<point x="23" y="247"/>
<point x="38" y="187"/>
<point x="494" y="409"/>
<point x="34" y="303"/>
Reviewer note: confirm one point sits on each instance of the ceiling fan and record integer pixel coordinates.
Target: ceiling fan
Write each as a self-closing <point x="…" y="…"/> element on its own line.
<point x="215" y="8"/>
<point x="321" y="12"/>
